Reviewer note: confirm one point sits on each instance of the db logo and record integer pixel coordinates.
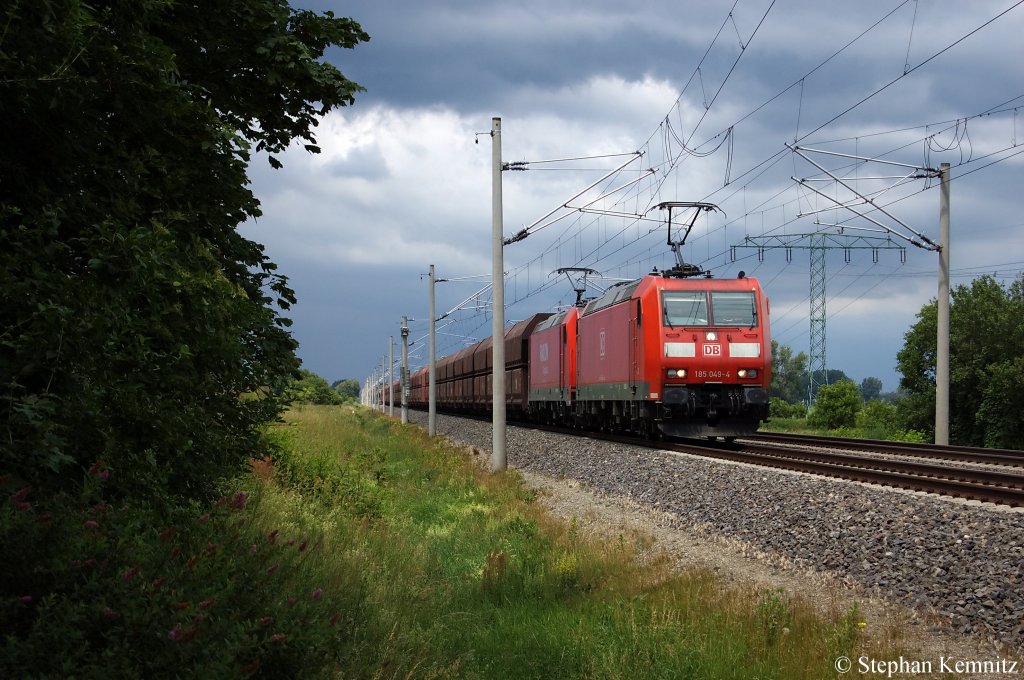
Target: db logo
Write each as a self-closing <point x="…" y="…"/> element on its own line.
<point x="601" y="342"/>
<point x="544" y="352"/>
<point x="712" y="350"/>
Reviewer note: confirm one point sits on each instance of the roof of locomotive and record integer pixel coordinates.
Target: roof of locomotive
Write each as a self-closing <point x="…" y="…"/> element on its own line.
<point x="628" y="289"/>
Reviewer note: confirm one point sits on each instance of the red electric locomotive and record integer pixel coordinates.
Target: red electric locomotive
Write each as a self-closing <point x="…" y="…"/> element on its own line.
<point x="552" y="375"/>
<point x="686" y="357"/>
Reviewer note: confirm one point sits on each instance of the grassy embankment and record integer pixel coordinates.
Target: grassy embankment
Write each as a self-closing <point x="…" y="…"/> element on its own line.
<point x="366" y="550"/>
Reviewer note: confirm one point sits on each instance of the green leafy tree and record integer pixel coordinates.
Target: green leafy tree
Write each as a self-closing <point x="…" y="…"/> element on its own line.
<point x="1002" y="405"/>
<point x="348" y="388"/>
<point x="789" y="374"/>
<point x="829" y="376"/>
<point x="836" y="406"/>
<point x="132" y="313"/>
<point x="309" y="388"/>
<point x="870" y="388"/>
<point x="986" y="346"/>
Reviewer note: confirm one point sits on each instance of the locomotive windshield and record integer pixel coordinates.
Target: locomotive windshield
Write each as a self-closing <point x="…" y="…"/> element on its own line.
<point x="684" y="307"/>
<point x="690" y="308"/>
<point x="734" y="308"/>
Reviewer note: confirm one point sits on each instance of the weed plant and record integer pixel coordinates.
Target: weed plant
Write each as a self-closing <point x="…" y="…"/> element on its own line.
<point x="362" y="548"/>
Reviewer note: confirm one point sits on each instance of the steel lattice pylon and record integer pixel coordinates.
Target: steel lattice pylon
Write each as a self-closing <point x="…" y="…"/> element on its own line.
<point x="817" y="374"/>
<point x="818" y="243"/>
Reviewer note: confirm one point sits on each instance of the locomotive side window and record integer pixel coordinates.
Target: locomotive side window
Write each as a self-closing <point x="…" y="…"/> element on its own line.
<point x="684" y="308"/>
<point x="734" y="308"/>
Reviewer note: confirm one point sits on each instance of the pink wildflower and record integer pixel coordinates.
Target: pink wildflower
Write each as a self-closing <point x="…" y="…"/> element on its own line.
<point x="272" y="537"/>
<point x="238" y="500"/>
<point x="159" y="582"/>
<point x="211" y="549"/>
<point x="252" y="549"/>
<point x="21" y="494"/>
<point x="278" y="637"/>
<point x="131" y="573"/>
<point x="22" y="505"/>
<point x="104" y="475"/>
<point x="109" y="614"/>
<point x="26" y="599"/>
<point x="272" y="568"/>
<point x="302" y="546"/>
<point x="292" y="600"/>
<point x="264" y="620"/>
<point x="179" y="634"/>
<point x="333" y="620"/>
<point x="204" y="517"/>
<point x="317" y="593"/>
<point x="198" y="618"/>
<point x="207" y="603"/>
<point x="91" y="524"/>
<point x="168" y="533"/>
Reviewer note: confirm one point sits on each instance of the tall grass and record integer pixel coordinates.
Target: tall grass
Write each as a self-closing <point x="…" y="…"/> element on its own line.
<point x="361" y="548"/>
<point x="464" y="574"/>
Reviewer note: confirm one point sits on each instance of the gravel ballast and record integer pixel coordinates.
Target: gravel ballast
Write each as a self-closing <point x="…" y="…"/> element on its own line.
<point x="958" y="562"/>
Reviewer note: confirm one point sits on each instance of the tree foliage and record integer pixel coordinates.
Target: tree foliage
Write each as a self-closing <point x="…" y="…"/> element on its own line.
<point x="870" y="388"/>
<point x="348" y="388"/>
<point x="309" y="388"/>
<point x="780" y="408"/>
<point x="836" y="406"/>
<point x="986" y="350"/>
<point x="789" y="374"/>
<point x="133" y="313"/>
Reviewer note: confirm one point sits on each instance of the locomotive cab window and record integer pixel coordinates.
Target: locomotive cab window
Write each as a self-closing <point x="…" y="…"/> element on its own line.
<point x="684" y="308"/>
<point x="734" y="308"/>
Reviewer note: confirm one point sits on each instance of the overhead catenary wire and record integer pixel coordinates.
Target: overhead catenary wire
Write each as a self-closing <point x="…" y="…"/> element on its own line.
<point x="618" y="241"/>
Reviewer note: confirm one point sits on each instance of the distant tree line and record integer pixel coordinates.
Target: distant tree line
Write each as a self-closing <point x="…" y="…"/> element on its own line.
<point x="310" y="388"/>
<point x="986" y="358"/>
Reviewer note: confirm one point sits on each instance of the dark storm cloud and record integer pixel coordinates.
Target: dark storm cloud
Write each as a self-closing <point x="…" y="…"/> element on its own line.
<point x="401" y="184"/>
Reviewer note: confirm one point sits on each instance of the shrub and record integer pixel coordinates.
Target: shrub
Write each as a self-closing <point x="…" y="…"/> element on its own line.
<point x="780" y="408"/>
<point x="836" y="406"/>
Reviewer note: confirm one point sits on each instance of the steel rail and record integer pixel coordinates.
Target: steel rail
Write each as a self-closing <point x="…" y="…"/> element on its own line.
<point x="989" y="487"/>
<point x="966" y="454"/>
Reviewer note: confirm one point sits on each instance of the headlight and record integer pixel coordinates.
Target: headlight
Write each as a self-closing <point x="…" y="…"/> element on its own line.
<point x="747" y="373"/>
<point x="677" y="373"/>
<point x="711" y="336"/>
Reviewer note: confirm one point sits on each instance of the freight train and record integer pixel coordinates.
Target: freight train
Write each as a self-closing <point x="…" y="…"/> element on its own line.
<point x="663" y="355"/>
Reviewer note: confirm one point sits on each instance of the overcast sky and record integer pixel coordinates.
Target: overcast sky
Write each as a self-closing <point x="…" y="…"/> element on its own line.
<point x="711" y="94"/>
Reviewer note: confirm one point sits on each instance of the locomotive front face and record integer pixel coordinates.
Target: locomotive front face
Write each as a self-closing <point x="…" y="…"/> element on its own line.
<point x="715" y="368"/>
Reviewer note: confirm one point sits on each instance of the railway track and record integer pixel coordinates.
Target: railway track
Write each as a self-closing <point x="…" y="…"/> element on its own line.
<point x="1003" y="487"/>
<point x="963" y="454"/>
<point x="802" y="453"/>
<point x="993" y="486"/>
